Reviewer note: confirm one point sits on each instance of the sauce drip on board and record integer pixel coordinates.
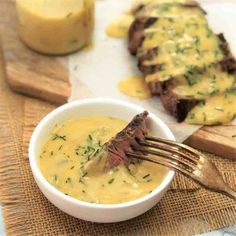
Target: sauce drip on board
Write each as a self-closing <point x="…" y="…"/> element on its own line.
<point x="136" y="87"/>
<point x="119" y="27"/>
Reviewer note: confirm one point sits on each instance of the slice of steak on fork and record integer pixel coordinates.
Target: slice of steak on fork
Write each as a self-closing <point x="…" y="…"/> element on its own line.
<point x="123" y="142"/>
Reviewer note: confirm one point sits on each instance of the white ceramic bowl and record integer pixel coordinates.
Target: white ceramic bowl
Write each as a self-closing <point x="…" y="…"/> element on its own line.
<point x="85" y="210"/>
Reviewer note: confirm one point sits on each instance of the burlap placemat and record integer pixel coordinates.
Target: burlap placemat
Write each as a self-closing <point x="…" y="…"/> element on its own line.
<point x="185" y="209"/>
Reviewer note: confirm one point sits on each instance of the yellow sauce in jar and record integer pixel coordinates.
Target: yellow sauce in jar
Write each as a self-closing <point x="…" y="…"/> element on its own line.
<point x="56" y="27"/>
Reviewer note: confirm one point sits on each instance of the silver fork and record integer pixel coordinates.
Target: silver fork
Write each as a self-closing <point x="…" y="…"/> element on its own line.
<point x="183" y="159"/>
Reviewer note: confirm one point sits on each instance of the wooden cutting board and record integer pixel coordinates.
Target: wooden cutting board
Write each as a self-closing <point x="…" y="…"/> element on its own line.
<point x="46" y="78"/>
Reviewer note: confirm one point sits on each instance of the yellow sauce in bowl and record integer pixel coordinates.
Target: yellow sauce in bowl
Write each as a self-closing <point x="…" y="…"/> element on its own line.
<point x="56" y="27"/>
<point x="67" y="150"/>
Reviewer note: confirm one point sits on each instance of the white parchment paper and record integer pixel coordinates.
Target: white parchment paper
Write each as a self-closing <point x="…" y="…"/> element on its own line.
<point x="97" y="72"/>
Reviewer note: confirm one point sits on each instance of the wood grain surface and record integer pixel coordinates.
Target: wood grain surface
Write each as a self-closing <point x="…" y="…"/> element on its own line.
<point x="46" y="78"/>
<point x="220" y="140"/>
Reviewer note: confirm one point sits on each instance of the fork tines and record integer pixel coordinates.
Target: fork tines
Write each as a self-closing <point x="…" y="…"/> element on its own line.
<point x="184" y="159"/>
<point x="168" y="153"/>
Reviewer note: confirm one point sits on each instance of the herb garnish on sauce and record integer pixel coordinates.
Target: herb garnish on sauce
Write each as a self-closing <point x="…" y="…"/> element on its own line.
<point x="145" y="176"/>
<point x="111" y="181"/>
<point x="60" y="137"/>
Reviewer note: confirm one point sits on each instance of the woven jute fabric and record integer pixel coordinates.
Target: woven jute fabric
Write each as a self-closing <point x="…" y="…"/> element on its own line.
<point x="186" y="209"/>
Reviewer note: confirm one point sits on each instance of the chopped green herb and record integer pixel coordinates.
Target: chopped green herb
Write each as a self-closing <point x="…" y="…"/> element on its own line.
<point x="84" y="174"/>
<point x="201" y="103"/>
<point x="92" y="149"/>
<point x="72" y="167"/>
<point x="99" y="143"/>
<point x="83" y="191"/>
<point x="68" y="180"/>
<point x="150" y="35"/>
<point x="60" y="147"/>
<point x="145" y="176"/>
<point x="191" y="115"/>
<point x="196" y="40"/>
<point x="190" y="75"/>
<point x="170" y="19"/>
<point x="164" y="7"/>
<point x="177" y="62"/>
<point x="214" y="90"/>
<point x="200" y="93"/>
<point x="149" y="180"/>
<point x="51" y="153"/>
<point x="213" y="79"/>
<point x="111" y="181"/>
<point x="217" y="53"/>
<point x="209" y="33"/>
<point x="81" y="180"/>
<point x="161" y="67"/>
<point x="179" y="50"/>
<point x="55" y="177"/>
<point x="130" y="171"/>
<point x="56" y="137"/>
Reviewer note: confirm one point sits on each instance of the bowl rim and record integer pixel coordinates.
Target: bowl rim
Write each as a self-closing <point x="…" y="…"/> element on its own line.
<point x="39" y="176"/>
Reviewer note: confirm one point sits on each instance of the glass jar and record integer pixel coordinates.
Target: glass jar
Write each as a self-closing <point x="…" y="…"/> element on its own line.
<point x="56" y="26"/>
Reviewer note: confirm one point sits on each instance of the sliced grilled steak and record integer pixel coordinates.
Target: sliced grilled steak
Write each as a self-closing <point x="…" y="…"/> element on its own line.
<point x="179" y="106"/>
<point x="136" y="38"/>
<point x="229" y="62"/>
<point x="146" y="70"/>
<point x="176" y="105"/>
<point x="136" y="35"/>
<point x="136" y="30"/>
<point x="135" y="131"/>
